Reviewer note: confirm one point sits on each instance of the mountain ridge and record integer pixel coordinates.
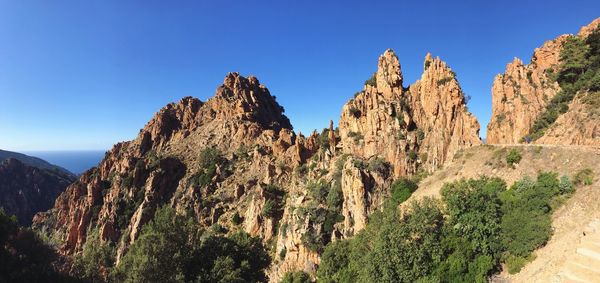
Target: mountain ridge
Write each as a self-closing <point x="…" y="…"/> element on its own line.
<point x="254" y="139"/>
<point x="32" y="161"/>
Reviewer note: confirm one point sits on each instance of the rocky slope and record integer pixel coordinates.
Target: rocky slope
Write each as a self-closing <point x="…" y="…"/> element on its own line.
<point x="579" y="126"/>
<point x="26" y="190"/>
<point x="522" y="93"/>
<point x="234" y="162"/>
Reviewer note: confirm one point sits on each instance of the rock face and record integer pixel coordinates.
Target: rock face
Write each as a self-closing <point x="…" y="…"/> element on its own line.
<point x="257" y="160"/>
<point x="412" y="129"/>
<point x="26" y="190"/>
<point x="418" y="127"/>
<point x="439" y="109"/>
<point x="521" y="94"/>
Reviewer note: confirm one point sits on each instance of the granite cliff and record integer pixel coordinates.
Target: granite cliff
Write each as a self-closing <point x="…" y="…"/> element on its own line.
<point x="523" y="96"/>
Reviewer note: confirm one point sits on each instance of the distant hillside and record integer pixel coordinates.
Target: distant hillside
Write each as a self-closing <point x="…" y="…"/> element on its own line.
<point x="26" y="190"/>
<point x="34" y="162"/>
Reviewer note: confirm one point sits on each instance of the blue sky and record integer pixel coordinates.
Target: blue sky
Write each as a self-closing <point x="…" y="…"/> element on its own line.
<point x="87" y="74"/>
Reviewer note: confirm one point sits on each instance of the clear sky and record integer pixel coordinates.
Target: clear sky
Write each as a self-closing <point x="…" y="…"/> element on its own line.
<point x="87" y="74"/>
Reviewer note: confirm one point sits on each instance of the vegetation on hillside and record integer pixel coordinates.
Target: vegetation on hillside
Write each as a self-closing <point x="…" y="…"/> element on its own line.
<point x="296" y="277"/>
<point x="172" y="248"/>
<point x="465" y="237"/>
<point x="322" y="211"/>
<point x="579" y="72"/>
<point x="209" y="160"/>
<point x="24" y="257"/>
<point x="513" y="157"/>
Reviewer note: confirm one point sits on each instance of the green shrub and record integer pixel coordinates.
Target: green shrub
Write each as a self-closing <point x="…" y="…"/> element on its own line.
<point x="379" y="165"/>
<point x="236" y="219"/>
<point x="355" y="136"/>
<point x="443" y="81"/>
<point x="209" y="157"/>
<point x="359" y="164"/>
<point x="529" y="77"/>
<point x="339" y="164"/>
<point x="127" y="180"/>
<point x="153" y="160"/>
<point x="282" y="254"/>
<point x="243" y="152"/>
<point x="407" y="249"/>
<point x="335" y="262"/>
<point x="500" y="117"/>
<point x="323" y="139"/>
<point x="402" y="189"/>
<point x="272" y="189"/>
<point x="208" y="160"/>
<point x="513" y="157"/>
<point x="401" y="136"/>
<point x="474" y="210"/>
<point x="573" y="60"/>
<point x="412" y="155"/>
<point x="322" y="211"/>
<point x="218" y="229"/>
<point x="515" y="263"/>
<point x="526" y="223"/>
<point x="420" y="135"/>
<point x="354" y="112"/>
<point x="565" y="186"/>
<point x="584" y="177"/>
<point x="269" y="209"/>
<point x="301" y="170"/>
<point x="312" y="240"/>
<point x="296" y="277"/>
<point x="335" y="198"/>
<point x="427" y="64"/>
<point x="95" y="255"/>
<point x="318" y="191"/>
<point x="372" y="81"/>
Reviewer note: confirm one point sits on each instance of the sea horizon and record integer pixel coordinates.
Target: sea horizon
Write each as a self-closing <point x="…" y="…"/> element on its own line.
<point x="76" y="161"/>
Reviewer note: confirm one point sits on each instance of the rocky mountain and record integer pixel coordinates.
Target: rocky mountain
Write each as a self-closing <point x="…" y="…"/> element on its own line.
<point x="417" y="127"/>
<point x="235" y="163"/>
<point x="26" y="190"/>
<point x="534" y="102"/>
<point x="412" y="130"/>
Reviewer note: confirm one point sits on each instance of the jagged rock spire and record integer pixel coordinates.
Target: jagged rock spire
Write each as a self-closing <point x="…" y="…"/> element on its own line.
<point x="389" y="73"/>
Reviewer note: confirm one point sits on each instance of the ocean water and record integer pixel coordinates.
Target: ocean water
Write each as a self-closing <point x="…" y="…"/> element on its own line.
<point x="75" y="161"/>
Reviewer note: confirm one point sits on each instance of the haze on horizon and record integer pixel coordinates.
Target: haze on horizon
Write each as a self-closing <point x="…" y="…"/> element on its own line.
<point x="77" y="75"/>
